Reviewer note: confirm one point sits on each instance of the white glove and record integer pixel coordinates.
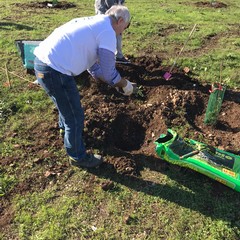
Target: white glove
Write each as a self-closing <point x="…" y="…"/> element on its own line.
<point x="127" y="90"/>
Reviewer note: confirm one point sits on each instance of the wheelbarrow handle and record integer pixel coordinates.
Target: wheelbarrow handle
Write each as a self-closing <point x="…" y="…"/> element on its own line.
<point x="189" y="154"/>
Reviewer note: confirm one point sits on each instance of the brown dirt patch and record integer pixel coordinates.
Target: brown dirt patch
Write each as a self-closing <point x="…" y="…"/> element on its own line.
<point x="212" y="4"/>
<point x="63" y="5"/>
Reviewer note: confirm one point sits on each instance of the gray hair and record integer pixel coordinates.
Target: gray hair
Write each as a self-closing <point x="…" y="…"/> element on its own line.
<point x="118" y="11"/>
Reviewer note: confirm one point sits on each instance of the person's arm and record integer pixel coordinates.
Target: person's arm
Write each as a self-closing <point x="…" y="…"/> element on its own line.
<point x="106" y="71"/>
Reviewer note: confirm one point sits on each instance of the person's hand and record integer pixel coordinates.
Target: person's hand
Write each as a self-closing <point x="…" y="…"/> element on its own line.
<point x="128" y="89"/>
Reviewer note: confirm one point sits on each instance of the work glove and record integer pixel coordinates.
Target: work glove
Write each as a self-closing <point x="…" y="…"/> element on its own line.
<point x="128" y="89"/>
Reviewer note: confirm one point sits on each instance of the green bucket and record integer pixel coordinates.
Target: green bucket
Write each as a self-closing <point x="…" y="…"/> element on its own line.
<point x="26" y="49"/>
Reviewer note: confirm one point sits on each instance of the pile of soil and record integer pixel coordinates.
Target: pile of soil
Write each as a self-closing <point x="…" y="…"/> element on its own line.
<point x="133" y="123"/>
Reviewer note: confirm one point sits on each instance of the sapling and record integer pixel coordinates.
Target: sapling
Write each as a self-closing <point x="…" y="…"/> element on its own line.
<point x="139" y="91"/>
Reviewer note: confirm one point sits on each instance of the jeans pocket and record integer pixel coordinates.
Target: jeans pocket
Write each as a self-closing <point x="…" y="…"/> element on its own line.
<point x="45" y="80"/>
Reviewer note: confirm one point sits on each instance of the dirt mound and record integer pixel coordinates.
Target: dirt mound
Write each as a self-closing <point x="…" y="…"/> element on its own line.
<point x="132" y="124"/>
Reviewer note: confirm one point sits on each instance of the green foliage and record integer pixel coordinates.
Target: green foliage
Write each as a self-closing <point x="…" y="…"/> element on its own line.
<point x="139" y="92"/>
<point x="6" y="183"/>
<point x="6" y="110"/>
<point x="24" y="103"/>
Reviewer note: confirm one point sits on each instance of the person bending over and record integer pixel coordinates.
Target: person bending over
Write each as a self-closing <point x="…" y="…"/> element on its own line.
<point x="86" y="43"/>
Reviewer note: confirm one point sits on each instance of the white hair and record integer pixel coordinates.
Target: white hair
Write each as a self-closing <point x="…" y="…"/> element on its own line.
<point x="118" y="11"/>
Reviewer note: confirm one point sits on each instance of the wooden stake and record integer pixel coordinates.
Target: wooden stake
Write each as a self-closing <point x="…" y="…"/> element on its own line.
<point x="16" y="75"/>
<point x="221" y="64"/>
<point x="8" y="79"/>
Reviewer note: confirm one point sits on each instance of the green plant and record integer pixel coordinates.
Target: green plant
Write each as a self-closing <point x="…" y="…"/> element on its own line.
<point x="6" y="183"/>
<point x="139" y="91"/>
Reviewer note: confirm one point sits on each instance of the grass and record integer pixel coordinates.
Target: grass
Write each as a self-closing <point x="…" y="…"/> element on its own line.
<point x="171" y="14"/>
<point x="6" y="183"/>
<point x="157" y="206"/>
<point x="77" y="215"/>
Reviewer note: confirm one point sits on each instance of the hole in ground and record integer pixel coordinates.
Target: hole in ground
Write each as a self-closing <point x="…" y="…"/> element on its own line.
<point x="127" y="133"/>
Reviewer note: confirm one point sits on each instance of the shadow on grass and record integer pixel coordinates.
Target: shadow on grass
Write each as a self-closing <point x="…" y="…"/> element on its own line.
<point x="191" y="189"/>
<point x="9" y="25"/>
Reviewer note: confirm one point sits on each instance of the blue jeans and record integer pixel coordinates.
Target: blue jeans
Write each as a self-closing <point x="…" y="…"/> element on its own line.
<point x="63" y="91"/>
